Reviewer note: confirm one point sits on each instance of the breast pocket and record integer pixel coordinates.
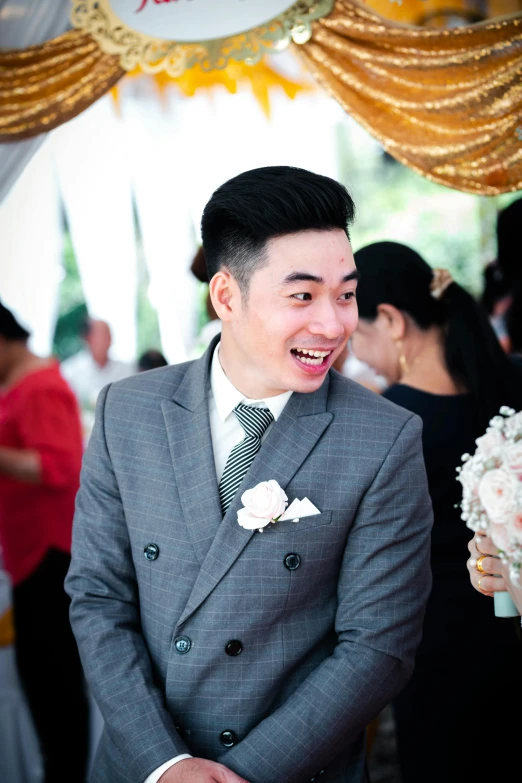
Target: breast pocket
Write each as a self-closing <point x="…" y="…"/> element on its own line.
<point x="298" y="524"/>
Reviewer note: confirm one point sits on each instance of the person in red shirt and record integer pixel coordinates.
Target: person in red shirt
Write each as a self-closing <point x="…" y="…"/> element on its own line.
<point x="40" y="460"/>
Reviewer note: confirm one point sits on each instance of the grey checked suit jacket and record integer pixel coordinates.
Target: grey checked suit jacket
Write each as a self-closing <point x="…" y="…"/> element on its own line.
<point x="325" y="646"/>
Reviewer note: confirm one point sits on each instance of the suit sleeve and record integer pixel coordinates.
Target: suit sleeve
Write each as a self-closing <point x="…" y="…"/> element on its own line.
<point x="106" y="620"/>
<point x="383" y="588"/>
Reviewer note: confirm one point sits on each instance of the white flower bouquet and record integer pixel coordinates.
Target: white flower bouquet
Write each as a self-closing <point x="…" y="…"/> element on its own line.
<point x="492" y="488"/>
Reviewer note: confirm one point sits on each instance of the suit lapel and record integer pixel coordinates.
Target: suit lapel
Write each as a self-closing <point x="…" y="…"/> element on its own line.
<point x="190" y="442"/>
<point x="284" y="450"/>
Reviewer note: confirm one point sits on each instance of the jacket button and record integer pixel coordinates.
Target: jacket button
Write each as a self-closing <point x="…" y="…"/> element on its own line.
<point x="234" y="648"/>
<point x="151" y="551"/>
<point x="228" y="738"/>
<point x="182" y="645"/>
<point x="292" y="561"/>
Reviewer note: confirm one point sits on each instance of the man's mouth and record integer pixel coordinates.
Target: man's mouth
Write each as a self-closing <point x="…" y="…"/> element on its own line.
<point x="312" y="358"/>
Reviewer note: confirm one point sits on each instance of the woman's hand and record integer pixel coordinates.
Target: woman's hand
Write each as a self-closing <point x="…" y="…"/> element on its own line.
<point x="486" y="572"/>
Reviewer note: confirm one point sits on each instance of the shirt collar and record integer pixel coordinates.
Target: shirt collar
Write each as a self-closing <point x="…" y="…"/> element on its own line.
<point x="226" y="396"/>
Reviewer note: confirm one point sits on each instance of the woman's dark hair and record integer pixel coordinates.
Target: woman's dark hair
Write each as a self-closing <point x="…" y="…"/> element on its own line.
<point x="395" y="274"/>
<point x="151" y="360"/>
<point x="10" y="329"/>
<point x="258" y="205"/>
<point x="198" y="266"/>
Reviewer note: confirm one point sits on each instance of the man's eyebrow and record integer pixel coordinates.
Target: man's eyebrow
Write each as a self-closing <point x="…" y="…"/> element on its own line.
<point x="298" y="277"/>
<point x="303" y="277"/>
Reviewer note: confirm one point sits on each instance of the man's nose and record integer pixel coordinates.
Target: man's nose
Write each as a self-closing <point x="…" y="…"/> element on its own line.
<point x="327" y="323"/>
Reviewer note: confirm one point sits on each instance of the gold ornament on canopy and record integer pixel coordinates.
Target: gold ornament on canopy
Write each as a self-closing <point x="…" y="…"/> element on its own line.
<point x="136" y="48"/>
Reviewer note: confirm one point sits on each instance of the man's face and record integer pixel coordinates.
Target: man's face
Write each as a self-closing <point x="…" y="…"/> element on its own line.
<point x="299" y="312"/>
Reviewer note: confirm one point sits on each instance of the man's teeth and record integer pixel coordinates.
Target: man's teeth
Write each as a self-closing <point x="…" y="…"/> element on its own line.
<point x="313" y="358"/>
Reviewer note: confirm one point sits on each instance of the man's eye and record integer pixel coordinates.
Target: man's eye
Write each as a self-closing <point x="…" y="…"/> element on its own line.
<point x="302" y="297"/>
<point x="348" y="295"/>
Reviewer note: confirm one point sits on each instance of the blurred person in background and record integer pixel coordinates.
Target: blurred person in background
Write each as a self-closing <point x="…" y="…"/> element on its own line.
<point x="213" y="325"/>
<point x="40" y="459"/>
<point x="151" y="360"/>
<point x="88" y="371"/>
<point x="437" y="350"/>
<point x="503" y="277"/>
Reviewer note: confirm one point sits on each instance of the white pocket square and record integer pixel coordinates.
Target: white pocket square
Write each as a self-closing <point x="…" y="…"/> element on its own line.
<point x="300" y="508"/>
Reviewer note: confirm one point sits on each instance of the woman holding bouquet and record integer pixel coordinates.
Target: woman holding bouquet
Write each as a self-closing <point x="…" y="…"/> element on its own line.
<point x="429" y="338"/>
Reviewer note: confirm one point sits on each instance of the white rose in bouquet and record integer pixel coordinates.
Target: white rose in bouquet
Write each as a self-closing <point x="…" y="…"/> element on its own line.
<point x="497" y="492"/>
<point x="514" y="527"/>
<point x="513" y="459"/>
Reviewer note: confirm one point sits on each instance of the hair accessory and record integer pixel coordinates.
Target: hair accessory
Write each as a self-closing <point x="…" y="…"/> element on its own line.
<point x="440" y="281"/>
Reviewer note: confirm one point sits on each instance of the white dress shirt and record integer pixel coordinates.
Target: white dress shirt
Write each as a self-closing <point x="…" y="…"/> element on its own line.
<point x="226" y="432"/>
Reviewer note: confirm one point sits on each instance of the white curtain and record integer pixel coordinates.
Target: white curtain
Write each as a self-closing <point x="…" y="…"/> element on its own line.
<point x="160" y="168"/>
<point x="94" y="178"/>
<point x="26" y="23"/>
<point x="31" y="249"/>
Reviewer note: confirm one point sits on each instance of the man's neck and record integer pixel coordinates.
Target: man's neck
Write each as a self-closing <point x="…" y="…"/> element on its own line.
<point x="245" y="378"/>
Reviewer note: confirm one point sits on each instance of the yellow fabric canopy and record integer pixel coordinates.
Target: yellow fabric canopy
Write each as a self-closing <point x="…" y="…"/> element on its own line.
<point x="42" y="87"/>
<point x="446" y="102"/>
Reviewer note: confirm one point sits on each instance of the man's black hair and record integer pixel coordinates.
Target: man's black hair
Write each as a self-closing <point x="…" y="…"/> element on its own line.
<point x="262" y="204"/>
<point x="10" y="329"/>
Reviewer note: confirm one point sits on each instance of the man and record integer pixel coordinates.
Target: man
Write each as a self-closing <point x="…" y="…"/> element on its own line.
<point x="90" y="370"/>
<point x="40" y="458"/>
<point x="219" y="653"/>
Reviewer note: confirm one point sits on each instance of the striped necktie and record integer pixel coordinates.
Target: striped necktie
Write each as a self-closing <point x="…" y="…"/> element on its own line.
<point x="254" y="422"/>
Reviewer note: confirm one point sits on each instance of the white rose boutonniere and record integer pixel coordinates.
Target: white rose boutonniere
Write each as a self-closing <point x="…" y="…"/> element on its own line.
<point x="263" y="504"/>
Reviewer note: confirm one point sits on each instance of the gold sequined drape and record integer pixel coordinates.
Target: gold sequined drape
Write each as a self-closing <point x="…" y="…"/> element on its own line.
<point x="445" y="102"/>
<point x="42" y="87"/>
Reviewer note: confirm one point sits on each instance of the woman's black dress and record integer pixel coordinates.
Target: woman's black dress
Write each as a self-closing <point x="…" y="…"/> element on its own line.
<point x="454" y="717"/>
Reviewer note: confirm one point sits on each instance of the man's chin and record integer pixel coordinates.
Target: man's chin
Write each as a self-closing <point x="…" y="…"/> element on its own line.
<point x="306" y="384"/>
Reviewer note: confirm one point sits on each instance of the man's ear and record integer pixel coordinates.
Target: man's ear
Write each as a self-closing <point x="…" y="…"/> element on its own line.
<point x="393" y="320"/>
<point x="225" y="295"/>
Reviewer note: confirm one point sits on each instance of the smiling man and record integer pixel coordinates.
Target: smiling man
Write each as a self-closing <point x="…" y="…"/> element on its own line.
<point x="218" y="653"/>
